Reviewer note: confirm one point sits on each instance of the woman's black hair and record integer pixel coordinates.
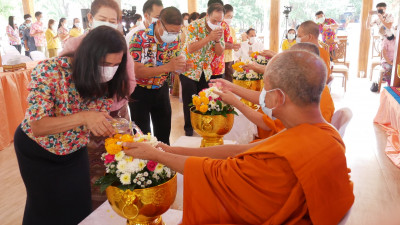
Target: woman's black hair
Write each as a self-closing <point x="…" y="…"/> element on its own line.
<point x="202" y="15"/>
<point x="194" y="16"/>
<point x="250" y="30"/>
<point x="86" y="72"/>
<point x="73" y="21"/>
<point x="11" y="21"/>
<point x="289" y="31"/>
<point x="60" y="22"/>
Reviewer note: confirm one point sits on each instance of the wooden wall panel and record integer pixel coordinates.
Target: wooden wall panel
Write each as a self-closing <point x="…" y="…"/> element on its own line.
<point x="364" y="40"/>
<point x="274" y="25"/>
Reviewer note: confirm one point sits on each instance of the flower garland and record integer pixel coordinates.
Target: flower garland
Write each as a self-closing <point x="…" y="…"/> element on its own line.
<point x="241" y="74"/>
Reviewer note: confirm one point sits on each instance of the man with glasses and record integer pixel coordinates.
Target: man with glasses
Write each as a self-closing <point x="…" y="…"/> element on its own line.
<point x="156" y="52"/>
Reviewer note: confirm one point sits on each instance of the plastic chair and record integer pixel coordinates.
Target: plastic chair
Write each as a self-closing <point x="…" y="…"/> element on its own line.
<point x="37" y="56"/>
<point x="10" y="50"/>
<point x="17" y="59"/>
<point x="341" y="119"/>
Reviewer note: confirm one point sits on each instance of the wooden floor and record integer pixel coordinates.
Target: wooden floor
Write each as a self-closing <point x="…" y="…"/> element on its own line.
<point x="376" y="179"/>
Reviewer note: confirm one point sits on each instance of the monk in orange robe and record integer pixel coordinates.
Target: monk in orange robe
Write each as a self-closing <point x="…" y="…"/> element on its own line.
<point x="298" y="176"/>
<point x="268" y="127"/>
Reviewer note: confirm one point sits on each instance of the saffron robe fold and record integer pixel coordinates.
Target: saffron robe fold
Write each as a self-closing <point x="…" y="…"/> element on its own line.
<point x="298" y="176"/>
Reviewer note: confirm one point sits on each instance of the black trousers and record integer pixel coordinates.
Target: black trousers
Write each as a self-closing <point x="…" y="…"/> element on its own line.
<point x="189" y="88"/>
<point x="152" y="103"/>
<point x="58" y="187"/>
<point x="228" y="71"/>
<point x="18" y="47"/>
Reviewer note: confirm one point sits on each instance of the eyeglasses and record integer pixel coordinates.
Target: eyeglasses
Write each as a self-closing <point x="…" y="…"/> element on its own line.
<point x="169" y="33"/>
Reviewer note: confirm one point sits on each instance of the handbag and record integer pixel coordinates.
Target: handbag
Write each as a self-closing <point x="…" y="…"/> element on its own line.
<point x="374" y="87"/>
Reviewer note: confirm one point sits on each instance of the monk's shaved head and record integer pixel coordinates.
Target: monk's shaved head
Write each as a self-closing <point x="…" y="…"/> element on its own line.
<point x="309" y="47"/>
<point x="309" y="27"/>
<point x="300" y="74"/>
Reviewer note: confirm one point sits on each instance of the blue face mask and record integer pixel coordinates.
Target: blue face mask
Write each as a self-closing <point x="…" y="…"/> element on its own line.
<point x="265" y="109"/>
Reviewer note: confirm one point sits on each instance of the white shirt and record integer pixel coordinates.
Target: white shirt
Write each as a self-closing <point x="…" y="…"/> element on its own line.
<point x="388" y="18"/>
<point x="129" y="35"/>
<point x="243" y="52"/>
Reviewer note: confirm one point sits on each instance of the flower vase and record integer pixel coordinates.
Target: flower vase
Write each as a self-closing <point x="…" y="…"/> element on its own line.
<point x="255" y="85"/>
<point x="143" y="206"/>
<point x="211" y="128"/>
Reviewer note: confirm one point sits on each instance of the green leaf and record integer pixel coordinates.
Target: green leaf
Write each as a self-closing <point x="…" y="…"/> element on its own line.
<point x="105" y="181"/>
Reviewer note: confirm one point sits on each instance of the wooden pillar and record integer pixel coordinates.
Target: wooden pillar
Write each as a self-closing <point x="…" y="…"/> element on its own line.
<point x="274" y="25"/>
<point x="364" y="40"/>
<point x="396" y="62"/>
<point x="28" y="7"/>
<point x="192" y="6"/>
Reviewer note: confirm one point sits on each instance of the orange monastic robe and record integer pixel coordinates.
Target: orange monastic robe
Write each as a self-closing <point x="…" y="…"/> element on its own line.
<point x="324" y="54"/>
<point x="327" y="109"/>
<point x="298" y="176"/>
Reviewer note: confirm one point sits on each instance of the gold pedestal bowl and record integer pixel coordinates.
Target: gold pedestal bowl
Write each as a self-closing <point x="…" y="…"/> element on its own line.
<point x="211" y="128"/>
<point x="143" y="206"/>
<point x="255" y="85"/>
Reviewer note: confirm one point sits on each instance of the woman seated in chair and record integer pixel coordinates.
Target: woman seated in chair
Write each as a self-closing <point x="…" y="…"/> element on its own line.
<point x="388" y="48"/>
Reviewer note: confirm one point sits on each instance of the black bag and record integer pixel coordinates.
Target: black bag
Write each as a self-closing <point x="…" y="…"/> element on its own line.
<point x="374" y="87"/>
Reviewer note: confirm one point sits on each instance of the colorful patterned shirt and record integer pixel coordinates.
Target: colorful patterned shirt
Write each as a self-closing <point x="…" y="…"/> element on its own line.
<point x="52" y="93"/>
<point x="21" y="29"/>
<point x="328" y="35"/>
<point x="13" y="35"/>
<point x="63" y="31"/>
<point x="218" y="63"/>
<point x="40" y="39"/>
<point x="146" y="49"/>
<point x="202" y="58"/>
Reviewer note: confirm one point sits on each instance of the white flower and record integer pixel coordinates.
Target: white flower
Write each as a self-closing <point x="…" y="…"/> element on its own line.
<point x="142" y="179"/>
<point x="159" y="168"/>
<point x="142" y="186"/>
<point x="122" y="166"/>
<point x="131" y="167"/>
<point x="168" y="171"/>
<point x="139" y="183"/>
<point x="142" y="164"/>
<point x="125" y="178"/>
<point x="139" y="175"/>
<point x="149" y="182"/>
<point x="146" y="174"/>
<point x="119" y="156"/>
<point x="135" y="180"/>
<point x="107" y="170"/>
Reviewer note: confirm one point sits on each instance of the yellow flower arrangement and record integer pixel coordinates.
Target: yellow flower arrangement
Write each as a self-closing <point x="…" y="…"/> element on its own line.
<point x="203" y="108"/>
<point x="196" y="101"/>
<point x="254" y="54"/>
<point x="204" y="100"/>
<point x="238" y="66"/>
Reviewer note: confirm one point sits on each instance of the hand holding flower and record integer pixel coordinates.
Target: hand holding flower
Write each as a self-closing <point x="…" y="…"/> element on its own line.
<point x="141" y="150"/>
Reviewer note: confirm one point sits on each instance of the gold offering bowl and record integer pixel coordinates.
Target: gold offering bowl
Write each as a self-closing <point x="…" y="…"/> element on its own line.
<point x="255" y="85"/>
<point x="211" y="128"/>
<point x="143" y="206"/>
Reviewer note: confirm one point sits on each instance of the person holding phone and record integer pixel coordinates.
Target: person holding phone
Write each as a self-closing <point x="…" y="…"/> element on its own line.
<point x="383" y="20"/>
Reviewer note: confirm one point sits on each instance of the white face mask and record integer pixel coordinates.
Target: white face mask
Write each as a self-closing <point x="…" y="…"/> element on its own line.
<point x="291" y="36"/>
<point x="78" y="25"/>
<point x="228" y="21"/>
<point x="213" y="26"/>
<point x="252" y="40"/>
<point x="167" y="37"/>
<point x="97" y="23"/>
<point x="153" y="20"/>
<point x="298" y="40"/>
<point x="186" y="23"/>
<point x="265" y="109"/>
<point x="321" y="20"/>
<point x="107" y="73"/>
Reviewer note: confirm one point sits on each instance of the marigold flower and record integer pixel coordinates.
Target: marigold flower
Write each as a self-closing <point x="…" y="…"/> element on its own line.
<point x="203" y="108"/>
<point x="204" y="100"/>
<point x="202" y="94"/>
<point x="113" y="148"/>
<point x="196" y="101"/>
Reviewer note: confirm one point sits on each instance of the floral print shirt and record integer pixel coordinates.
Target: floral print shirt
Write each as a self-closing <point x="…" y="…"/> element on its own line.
<point x="40" y="39"/>
<point x="63" y="31"/>
<point x="146" y="49"/>
<point x="218" y="63"/>
<point x="52" y="93"/>
<point x="328" y="35"/>
<point x="13" y="35"/>
<point x="202" y="58"/>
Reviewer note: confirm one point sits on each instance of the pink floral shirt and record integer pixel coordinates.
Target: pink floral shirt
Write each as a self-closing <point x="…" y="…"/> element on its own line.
<point x="328" y="35"/>
<point x="40" y="40"/>
<point x="13" y="35"/>
<point x="52" y="93"/>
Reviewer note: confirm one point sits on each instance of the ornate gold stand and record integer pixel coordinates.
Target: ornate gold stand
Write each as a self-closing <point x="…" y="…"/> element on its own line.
<point x="255" y="85"/>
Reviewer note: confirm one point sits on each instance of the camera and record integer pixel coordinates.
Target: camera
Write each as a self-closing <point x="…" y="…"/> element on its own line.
<point x="127" y="18"/>
<point x="287" y="10"/>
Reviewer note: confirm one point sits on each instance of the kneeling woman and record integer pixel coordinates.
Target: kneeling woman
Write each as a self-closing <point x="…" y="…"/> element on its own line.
<point x="68" y="98"/>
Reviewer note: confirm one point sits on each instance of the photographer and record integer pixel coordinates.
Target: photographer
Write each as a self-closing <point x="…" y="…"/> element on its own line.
<point x="384" y="21"/>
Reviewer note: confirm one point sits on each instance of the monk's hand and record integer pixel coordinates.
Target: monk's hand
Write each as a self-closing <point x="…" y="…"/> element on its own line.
<point x="228" y="97"/>
<point x="165" y="147"/>
<point x="268" y="53"/>
<point x="224" y="84"/>
<point x="250" y="66"/>
<point x="141" y="150"/>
